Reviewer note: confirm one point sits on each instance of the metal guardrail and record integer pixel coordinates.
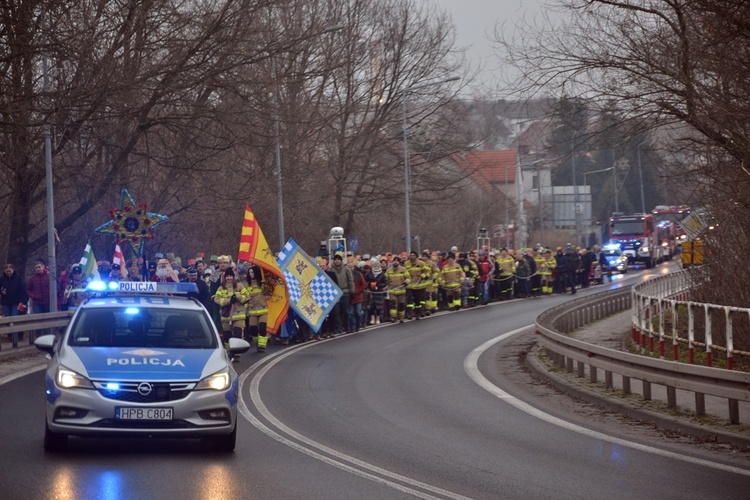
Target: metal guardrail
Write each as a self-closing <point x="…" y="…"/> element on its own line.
<point x="668" y="297"/>
<point x="572" y="355"/>
<point x="12" y="326"/>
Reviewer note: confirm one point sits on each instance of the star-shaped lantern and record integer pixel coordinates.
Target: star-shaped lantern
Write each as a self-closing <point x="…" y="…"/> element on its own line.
<point x="131" y="223"/>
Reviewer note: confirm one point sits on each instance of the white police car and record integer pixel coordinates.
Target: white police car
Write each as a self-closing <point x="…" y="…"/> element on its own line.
<point x="140" y="359"/>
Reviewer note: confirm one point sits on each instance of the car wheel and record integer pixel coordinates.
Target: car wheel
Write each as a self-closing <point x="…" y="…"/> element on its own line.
<point x="223" y="444"/>
<point x="54" y="442"/>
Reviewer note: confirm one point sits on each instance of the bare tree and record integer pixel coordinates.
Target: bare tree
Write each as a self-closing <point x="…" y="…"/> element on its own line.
<point x="665" y="63"/>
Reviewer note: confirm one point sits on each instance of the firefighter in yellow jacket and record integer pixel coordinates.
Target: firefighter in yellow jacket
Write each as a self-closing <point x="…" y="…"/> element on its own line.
<point x="257" y="308"/>
<point x="397" y="278"/>
<point x="451" y="278"/>
<point x="231" y="304"/>
<point x="506" y="265"/>
<point x="430" y="299"/>
<point x="547" y="269"/>
<point x="419" y="276"/>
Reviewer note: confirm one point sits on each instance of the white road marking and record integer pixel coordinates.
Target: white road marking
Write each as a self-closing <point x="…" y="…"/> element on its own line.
<point x="22" y="373"/>
<point x="254" y="391"/>
<point x="472" y="369"/>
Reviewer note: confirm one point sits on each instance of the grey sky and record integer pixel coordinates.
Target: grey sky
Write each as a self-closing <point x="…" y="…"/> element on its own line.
<point x="475" y="21"/>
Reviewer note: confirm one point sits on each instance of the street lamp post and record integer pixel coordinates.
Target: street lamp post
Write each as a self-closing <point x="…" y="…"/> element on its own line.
<point x="407" y="187"/>
<point x="640" y="174"/>
<point x="595" y="172"/>
<point x="575" y="192"/>
<point x="277" y="134"/>
<point x="51" y="250"/>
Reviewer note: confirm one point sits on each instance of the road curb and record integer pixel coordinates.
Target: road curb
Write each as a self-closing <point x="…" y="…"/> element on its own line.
<point x="617" y="405"/>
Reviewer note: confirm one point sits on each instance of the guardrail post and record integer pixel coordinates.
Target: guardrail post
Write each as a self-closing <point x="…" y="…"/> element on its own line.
<point x="626" y="385"/>
<point x="700" y="403"/>
<point x="569" y="364"/>
<point x="661" y="329"/>
<point x="675" y="336"/>
<point x="709" y="338"/>
<point x="730" y="344"/>
<point x="592" y="374"/>
<point x="608" y="383"/>
<point x="671" y="397"/>
<point x="581" y="369"/>
<point x="734" y="412"/>
<point x="691" y="334"/>
<point x="646" y="391"/>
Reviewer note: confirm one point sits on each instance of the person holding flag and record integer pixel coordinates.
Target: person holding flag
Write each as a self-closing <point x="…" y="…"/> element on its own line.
<point x="75" y="291"/>
<point x="255" y="250"/>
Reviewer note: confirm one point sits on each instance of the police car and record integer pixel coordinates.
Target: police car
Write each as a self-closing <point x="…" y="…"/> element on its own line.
<point x="616" y="261"/>
<point x="143" y="359"/>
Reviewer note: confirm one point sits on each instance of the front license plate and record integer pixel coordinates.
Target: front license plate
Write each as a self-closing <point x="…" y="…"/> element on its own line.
<point x="125" y="413"/>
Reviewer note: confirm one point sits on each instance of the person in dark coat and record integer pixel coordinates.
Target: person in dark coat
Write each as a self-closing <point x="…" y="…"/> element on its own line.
<point x="573" y="262"/>
<point x="203" y="295"/>
<point x="12" y="292"/>
<point x="561" y="278"/>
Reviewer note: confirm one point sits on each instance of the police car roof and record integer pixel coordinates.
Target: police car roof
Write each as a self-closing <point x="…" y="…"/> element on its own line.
<point x="142" y="300"/>
<point x="141" y="294"/>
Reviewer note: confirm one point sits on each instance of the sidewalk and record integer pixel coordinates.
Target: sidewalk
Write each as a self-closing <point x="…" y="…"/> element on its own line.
<point x="614" y="333"/>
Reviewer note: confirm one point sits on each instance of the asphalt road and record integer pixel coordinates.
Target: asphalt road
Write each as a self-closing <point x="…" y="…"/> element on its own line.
<point x="434" y="409"/>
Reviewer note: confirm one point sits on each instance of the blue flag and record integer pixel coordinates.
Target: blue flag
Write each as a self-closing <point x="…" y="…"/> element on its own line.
<point x="312" y="294"/>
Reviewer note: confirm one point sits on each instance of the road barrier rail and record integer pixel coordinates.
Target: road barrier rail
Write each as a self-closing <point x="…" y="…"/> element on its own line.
<point x="663" y="311"/>
<point x="554" y="326"/>
<point x="34" y="324"/>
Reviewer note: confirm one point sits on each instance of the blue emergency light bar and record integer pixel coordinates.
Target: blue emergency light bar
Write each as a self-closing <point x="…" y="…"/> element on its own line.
<point x="612" y="246"/>
<point x="142" y="287"/>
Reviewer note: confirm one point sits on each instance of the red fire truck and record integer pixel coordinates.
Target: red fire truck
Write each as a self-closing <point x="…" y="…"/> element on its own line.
<point x="673" y="214"/>
<point x="638" y="236"/>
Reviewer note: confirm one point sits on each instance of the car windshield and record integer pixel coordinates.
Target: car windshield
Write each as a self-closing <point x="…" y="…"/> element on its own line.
<point x="142" y="327"/>
<point x="621" y="228"/>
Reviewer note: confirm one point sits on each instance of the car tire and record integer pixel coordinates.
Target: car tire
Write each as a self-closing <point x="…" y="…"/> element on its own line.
<point x="54" y="442"/>
<point x="224" y="443"/>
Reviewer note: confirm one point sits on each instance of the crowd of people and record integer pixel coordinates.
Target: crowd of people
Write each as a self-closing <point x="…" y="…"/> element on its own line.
<point x="375" y="289"/>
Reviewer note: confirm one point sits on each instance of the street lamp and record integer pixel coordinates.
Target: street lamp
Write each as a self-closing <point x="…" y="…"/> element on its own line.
<point x="407" y="188"/>
<point x="277" y="133"/>
<point x="640" y="174"/>
<point x="51" y="250"/>
<point x="595" y="172"/>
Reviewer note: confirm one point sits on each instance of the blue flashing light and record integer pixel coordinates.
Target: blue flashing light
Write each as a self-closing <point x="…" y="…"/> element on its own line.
<point x="132" y="310"/>
<point x="113" y="386"/>
<point x="613" y="246"/>
<point x="96" y="286"/>
<point x="146" y="287"/>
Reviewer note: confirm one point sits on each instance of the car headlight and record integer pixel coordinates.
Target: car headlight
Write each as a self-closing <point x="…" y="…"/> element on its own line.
<point x="70" y="379"/>
<point x="219" y="381"/>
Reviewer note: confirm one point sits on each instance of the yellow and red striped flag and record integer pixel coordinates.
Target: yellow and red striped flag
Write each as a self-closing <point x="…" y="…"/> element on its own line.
<point x="254" y="249"/>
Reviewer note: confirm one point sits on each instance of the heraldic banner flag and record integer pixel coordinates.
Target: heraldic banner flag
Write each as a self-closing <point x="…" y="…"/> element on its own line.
<point x="88" y="263"/>
<point x="254" y="249"/>
<point x="312" y="294"/>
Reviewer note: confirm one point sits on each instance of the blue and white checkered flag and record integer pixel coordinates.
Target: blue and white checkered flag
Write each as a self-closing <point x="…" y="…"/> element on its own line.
<point x="312" y="294"/>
